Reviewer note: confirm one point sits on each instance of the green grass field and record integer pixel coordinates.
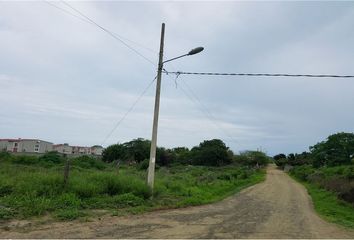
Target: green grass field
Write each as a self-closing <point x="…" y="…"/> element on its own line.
<point x="328" y="206"/>
<point x="31" y="188"/>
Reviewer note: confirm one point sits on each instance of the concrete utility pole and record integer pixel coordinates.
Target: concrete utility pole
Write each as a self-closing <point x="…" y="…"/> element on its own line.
<point x="151" y="172"/>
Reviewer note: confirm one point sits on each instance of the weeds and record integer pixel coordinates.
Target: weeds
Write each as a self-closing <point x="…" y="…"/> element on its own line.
<point x="32" y="186"/>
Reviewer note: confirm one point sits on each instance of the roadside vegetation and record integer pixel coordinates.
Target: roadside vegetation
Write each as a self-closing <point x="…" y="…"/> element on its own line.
<point x="32" y="186"/>
<point x="327" y="171"/>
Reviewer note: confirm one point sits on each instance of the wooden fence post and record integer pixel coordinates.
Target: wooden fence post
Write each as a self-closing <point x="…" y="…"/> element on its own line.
<point x="66" y="170"/>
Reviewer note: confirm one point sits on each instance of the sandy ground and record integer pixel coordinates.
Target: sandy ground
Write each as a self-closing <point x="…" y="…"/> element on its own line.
<point x="277" y="208"/>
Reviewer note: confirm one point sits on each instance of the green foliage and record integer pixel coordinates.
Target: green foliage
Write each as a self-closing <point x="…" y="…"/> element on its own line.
<point x="252" y="158"/>
<point x="88" y="162"/>
<point x="330" y="207"/>
<point x="302" y="172"/>
<point x="143" y="165"/>
<point x="68" y="214"/>
<point x="6" y="213"/>
<point x="127" y="200"/>
<point x="211" y="153"/>
<point x="138" y="149"/>
<point x="134" y="151"/>
<point x="5" y="156"/>
<point x="33" y="190"/>
<point x="114" y="152"/>
<point x="51" y="157"/>
<point x="338" y="149"/>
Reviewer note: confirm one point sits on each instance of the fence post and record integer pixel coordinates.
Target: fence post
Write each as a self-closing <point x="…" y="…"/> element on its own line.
<point x="66" y="170"/>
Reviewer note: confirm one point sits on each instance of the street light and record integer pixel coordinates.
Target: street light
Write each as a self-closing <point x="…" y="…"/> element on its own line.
<point x="151" y="171"/>
<point x="191" y="52"/>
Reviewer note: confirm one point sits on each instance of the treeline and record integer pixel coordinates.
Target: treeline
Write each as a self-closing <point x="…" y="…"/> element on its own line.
<point x="328" y="164"/>
<point x="208" y="153"/>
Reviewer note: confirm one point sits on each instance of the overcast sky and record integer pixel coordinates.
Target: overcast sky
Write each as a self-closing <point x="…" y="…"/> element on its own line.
<point x="64" y="80"/>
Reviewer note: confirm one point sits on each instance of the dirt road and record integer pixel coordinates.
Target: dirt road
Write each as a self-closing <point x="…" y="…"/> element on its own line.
<point x="276" y="208"/>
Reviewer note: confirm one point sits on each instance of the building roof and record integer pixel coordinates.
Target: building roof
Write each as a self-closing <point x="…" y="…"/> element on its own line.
<point x="21" y="139"/>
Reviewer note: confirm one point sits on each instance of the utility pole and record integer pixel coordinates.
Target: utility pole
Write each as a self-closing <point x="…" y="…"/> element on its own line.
<point x="151" y="171"/>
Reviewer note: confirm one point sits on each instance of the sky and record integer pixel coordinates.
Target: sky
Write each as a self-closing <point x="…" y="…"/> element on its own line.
<point x="66" y="81"/>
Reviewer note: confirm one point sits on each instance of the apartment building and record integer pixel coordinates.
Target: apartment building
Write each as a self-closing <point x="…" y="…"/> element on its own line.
<point x="25" y="145"/>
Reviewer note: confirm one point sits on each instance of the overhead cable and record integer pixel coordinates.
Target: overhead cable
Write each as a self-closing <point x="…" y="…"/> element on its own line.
<point x="112" y="34"/>
<point x="128" y="111"/>
<point x="261" y="74"/>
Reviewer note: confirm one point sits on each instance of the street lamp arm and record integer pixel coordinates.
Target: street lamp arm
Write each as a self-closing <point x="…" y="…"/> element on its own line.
<point x="191" y="52"/>
<point x="175" y="58"/>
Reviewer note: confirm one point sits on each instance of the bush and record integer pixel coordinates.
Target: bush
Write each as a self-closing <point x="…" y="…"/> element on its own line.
<point x="127" y="200"/>
<point x="211" y="153"/>
<point x="5" y="155"/>
<point x="88" y="162"/>
<point x="68" y="214"/>
<point x="52" y="157"/>
<point x="143" y="165"/>
<point x="302" y="172"/>
<point x="67" y="200"/>
<point x="25" y="160"/>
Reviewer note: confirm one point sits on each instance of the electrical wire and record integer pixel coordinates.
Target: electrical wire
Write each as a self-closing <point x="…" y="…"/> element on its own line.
<point x="207" y="112"/>
<point x="83" y="19"/>
<point x="261" y="74"/>
<point x="112" y="34"/>
<point x="190" y="94"/>
<point x="128" y="111"/>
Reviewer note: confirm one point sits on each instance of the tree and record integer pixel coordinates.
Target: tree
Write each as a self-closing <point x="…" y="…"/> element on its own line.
<point x="253" y="158"/>
<point x="280" y="160"/>
<point x="137" y="150"/>
<point x="115" y="152"/>
<point x="182" y="155"/>
<point x="338" y="149"/>
<point x="211" y="153"/>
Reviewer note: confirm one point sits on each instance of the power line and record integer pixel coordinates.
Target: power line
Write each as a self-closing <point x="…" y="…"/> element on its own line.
<point x="207" y="112"/>
<point x="190" y="94"/>
<point x="128" y="111"/>
<point x="194" y="98"/>
<point x="261" y="74"/>
<point x="83" y="19"/>
<point x="114" y="35"/>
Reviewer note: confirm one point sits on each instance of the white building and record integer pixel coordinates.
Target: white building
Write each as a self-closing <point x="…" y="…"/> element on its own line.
<point x="25" y="145"/>
<point x="97" y="150"/>
<point x="78" y="150"/>
<point x="63" y="148"/>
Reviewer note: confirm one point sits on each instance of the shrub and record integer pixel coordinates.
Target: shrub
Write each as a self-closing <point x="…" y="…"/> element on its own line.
<point x="68" y="214"/>
<point x="25" y="160"/>
<point x="52" y="157"/>
<point x="302" y="172"/>
<point x="143" y="165"/>
<point x="6" y="213"/>
<point x="5" y="188"/>
<point x="67" y="200"/>
<point x="88" y="162"/>
<point x="5" y="155"/>
<point x="127" y="199"/>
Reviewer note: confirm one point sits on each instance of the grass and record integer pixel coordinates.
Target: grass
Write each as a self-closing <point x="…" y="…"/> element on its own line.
<point x="328" y="206"/>
<point x="31" y="187"/>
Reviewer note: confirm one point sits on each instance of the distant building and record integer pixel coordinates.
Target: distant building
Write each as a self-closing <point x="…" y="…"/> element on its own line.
<point x="63" y="148"/>
<point x="25" y="145"/>
<point x="39" y="146"/>
<point x="81" y="150"/>
<point x="78" y="150"/>
<point x="97" y="150"/>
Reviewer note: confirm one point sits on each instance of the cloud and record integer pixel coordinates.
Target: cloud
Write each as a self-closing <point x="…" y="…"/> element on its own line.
<point x="64" y="80"/>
